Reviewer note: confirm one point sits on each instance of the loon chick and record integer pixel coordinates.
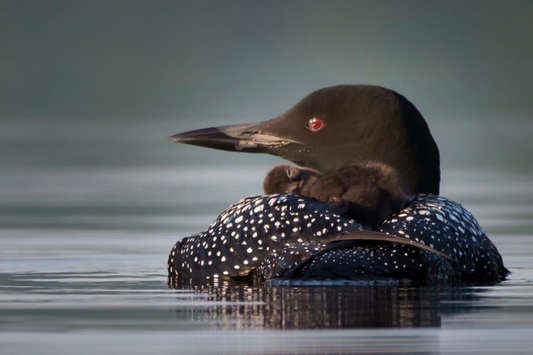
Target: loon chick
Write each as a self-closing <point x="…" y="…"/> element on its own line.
<point x="291" y="237"/>
<point x="366" y="192"/>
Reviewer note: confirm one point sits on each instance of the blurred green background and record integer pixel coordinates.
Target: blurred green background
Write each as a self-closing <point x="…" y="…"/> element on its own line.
<point x="102" y="83"/>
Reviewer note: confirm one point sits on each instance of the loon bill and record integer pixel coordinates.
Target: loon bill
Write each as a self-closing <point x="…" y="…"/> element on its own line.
<point x="292" y="237"/>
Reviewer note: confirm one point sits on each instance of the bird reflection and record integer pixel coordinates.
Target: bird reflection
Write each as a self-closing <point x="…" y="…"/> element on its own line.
<point x="234" y="305"/>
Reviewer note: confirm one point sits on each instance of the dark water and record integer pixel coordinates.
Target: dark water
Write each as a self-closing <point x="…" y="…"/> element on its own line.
<point x="82" y="270"/>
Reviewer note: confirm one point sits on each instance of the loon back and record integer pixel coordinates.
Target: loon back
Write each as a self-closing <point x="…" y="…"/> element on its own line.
<point x="289" y="239"/>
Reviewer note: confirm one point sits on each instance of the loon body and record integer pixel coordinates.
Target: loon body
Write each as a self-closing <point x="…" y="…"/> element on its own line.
<point x="290" y="238"/>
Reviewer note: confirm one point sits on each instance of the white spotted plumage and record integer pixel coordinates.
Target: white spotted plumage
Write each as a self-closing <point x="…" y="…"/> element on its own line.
<point x="239" y="242"/>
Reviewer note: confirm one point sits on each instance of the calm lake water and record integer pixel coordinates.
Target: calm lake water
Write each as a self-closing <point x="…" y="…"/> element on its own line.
<point x="82" y="270"/>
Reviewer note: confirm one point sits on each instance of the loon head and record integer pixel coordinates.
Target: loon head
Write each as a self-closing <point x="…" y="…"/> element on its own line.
<point x="336" y="126"/>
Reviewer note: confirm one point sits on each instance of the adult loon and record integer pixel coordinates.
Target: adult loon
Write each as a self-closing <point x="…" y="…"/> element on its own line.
<point x="286" y="238"/>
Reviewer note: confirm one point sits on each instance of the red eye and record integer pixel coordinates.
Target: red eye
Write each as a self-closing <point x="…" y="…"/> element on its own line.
<point x="314" y="124"/>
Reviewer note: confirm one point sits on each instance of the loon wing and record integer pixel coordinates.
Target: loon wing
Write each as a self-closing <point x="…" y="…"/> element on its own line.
<point x="372" y="236"/>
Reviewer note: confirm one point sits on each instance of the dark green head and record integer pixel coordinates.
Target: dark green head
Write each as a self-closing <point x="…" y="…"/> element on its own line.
<point x="338" y="125"/>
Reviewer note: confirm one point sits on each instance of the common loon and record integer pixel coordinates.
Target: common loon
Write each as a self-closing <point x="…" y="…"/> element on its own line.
<point x="287" y="238"/>
<point x="366" y="192"/>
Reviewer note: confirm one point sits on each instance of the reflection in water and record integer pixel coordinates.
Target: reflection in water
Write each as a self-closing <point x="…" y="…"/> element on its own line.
<point x="243" y="306"/>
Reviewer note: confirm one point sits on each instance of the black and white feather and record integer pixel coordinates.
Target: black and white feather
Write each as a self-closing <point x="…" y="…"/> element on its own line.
<point x="288" y="237"/>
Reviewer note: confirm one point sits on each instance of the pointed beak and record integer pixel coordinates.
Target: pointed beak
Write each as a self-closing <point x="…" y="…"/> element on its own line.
<point x="249" y="137"/>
